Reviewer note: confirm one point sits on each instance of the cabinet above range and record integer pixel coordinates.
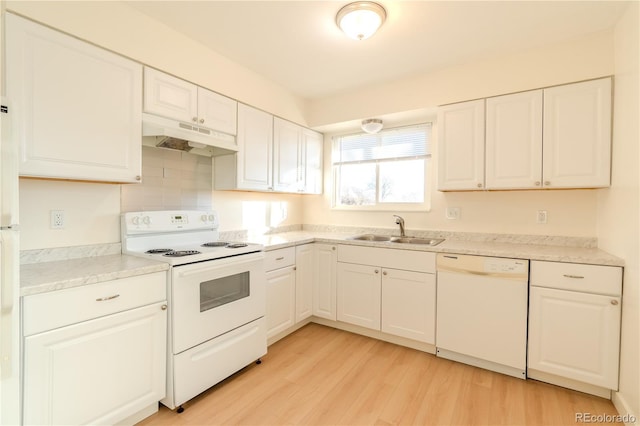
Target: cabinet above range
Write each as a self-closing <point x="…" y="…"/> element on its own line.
<point x="551" y="138"/>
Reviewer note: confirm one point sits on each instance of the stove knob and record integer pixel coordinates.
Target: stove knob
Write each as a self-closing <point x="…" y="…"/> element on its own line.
<point x="203" y="218"/>
<point x="212" y="218"/>
<point x="146" y="220"/>
<point x="135" y="220"/>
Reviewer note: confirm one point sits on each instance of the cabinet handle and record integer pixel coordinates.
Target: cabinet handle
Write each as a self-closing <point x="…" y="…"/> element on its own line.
<point x="201" y="120"/>
<point x="280" y="258"/>
<point x="547" y="183"/>
<point x="376" y="271"/>
<point x="138" y="178"/>
<point x="479" y="185"/>
<point x="295" y="268"/>
<point x="163" y="307"/>
<point x="574" y="276"/>
<point x="384" y="272"/>
<point x="194" y="119"/>
<point x="614" y="302"/>
<point x="102" y="299"/>
<point x="333" y="248"/>
<point x="537" y="183"/>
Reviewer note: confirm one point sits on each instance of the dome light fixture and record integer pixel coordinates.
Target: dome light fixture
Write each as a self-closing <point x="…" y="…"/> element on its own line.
<point x="361" y="19"/>
<point x="372" y="125"/>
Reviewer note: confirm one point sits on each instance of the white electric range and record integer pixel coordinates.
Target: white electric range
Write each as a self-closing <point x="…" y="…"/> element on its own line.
<point x="216" y="293"/>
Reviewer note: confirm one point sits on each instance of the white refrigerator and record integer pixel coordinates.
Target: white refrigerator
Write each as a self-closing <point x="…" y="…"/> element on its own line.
<point x="10" y="382"/>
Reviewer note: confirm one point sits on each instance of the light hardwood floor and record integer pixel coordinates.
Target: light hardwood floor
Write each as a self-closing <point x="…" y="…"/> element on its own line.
<point x="320" y="376"/>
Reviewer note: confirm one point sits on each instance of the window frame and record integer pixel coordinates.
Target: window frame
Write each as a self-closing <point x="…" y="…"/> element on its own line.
<point x="425" y="206"/>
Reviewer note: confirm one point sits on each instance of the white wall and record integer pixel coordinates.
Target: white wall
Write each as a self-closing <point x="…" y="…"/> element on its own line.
<point x="93" y="210"/>
<point x="618" y="228"/>
<point x="570" y="212"/>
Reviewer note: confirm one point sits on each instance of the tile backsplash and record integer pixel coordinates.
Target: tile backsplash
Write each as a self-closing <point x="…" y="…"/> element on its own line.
<point x="170" y="180"/>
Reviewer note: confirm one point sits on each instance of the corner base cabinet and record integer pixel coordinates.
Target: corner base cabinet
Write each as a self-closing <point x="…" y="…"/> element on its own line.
<point x="102" y="370"/>
<point x="574" y="322"/>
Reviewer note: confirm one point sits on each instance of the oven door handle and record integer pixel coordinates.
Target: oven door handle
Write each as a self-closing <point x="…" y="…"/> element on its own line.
<point x="218" y="264"/>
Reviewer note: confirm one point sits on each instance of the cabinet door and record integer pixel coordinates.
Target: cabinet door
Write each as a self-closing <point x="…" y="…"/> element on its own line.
<point x="287" y="155"/>
<point x="461" y="146"/>
<point x="312" y="165"/>
<point x="359" y="295"/>
<point x="409" y="304"/>
<point x="575" y="335"/>
<point x="217" y="112"/>
<point x="77" y="109"/>
<point x="305" y="271"/>
<point x="281" y="300"/>
<point x="170" y="96"/>
<point x="514" y="141"/>
<point x="255" y="143"/>
<point x="324" y="282"/>
<point x="96" y="372"/>
<point x="577" y="135"/>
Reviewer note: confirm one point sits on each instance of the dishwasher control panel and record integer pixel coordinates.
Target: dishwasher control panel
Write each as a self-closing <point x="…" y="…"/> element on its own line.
<point x="493" y="264"/>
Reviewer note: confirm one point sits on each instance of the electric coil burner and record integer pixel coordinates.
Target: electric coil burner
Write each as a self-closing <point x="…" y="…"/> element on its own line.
<point x="216" y="293"/>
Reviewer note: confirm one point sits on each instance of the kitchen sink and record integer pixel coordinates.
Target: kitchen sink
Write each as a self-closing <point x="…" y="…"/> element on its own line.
<point x="416" y="240"/>
<point x="371" y="237"/>
<point x="398" y="240"/>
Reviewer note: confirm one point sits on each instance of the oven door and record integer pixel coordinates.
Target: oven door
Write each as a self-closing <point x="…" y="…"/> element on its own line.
<point x="214" y="297"/>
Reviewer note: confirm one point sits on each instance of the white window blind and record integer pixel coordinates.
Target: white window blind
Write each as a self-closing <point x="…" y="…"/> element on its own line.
<point x="392" y="144"/>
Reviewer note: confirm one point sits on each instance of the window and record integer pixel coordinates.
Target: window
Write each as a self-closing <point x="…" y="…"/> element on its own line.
<point x="383" y="171"/>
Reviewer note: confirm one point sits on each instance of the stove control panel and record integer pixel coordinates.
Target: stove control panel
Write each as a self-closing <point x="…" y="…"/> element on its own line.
<point x="168" y="221"/>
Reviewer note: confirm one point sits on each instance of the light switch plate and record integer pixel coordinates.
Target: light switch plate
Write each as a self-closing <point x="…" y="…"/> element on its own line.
<point x="453" y="213"/>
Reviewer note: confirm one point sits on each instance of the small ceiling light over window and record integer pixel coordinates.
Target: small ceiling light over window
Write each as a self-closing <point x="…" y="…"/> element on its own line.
<point x="372" y="125"/>
<point x="361" y="19"/>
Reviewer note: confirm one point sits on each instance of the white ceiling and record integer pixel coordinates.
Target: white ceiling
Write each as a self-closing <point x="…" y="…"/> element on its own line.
<point x="298" y="45"/>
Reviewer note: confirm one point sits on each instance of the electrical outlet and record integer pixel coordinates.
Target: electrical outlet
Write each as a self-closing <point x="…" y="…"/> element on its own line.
<point x="453" y="213"/>
<point x="57" y="219"/>
<point x="542" y="216"/>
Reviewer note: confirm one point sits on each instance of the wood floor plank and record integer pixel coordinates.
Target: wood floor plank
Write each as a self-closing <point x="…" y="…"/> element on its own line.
<point x="322" y="376"/>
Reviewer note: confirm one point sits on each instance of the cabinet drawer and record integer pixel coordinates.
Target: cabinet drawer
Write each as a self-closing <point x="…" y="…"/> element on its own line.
<point x="577" y="277"/>
<point x="409" y="260"/>
<point x="55" y="309"/>
<point x="279" y="258"/>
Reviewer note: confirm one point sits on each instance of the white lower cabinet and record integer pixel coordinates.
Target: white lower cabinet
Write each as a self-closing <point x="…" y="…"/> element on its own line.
<point x="574" y="324"/>
<point x="397" y="298"/>
<point x="324" y="281"/>
<point x="359" y="295"/>
<point x="409" y="304"/>
<point x="281" y="290"/>
<point x="304" y="281"/>
<point x="100" y="371"/>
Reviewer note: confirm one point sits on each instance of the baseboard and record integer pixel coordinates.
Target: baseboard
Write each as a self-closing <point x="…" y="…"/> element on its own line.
<point x="284" y="333"/>
<point x="624" y="409"/>
<point x="402" y="341"/>
<point x="569" y="383"/>
<point x="140" y="415"/>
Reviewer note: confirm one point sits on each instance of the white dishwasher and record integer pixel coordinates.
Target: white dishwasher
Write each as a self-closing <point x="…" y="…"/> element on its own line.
<point x="482" y="312"/>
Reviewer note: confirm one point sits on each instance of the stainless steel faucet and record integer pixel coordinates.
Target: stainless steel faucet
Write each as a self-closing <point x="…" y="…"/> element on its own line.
<point x="400" y="221"/>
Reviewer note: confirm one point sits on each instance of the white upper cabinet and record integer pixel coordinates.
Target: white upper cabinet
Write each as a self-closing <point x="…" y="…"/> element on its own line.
<point x="461" y="146"/>
<point x="251" y="167"/>
<point x="313" y="151"/>
<point x="577" y="135"/>
<point x="558" y="137"/>
<point x="297" y="158"/>
<point x="287" y="156"/>
<point x="175" y="98"/>
<point x="513" y="141"/>
<point x="76" y="109"/>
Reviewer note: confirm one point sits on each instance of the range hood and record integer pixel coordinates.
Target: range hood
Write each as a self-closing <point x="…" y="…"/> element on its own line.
<point x="172" y="134"/>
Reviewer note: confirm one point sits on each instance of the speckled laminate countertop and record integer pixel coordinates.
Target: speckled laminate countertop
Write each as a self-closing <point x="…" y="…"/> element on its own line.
<point x="517" y="250"/>
<point x="50" y="276"/>
<point x="60" y="274"/>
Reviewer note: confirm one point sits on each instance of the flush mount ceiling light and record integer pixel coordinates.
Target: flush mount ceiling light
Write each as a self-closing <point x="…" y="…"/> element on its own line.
<point x="361" y="19"/>
<point x="372" y="125"/>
